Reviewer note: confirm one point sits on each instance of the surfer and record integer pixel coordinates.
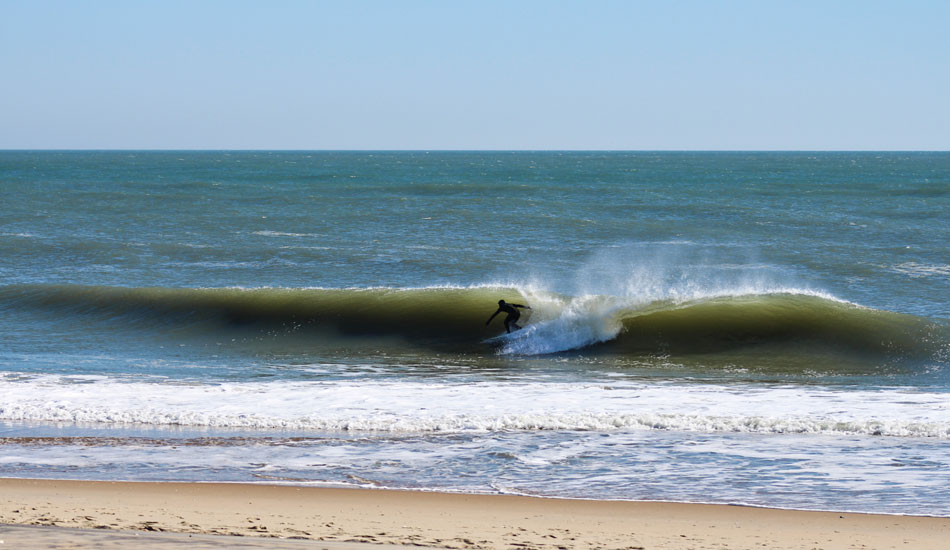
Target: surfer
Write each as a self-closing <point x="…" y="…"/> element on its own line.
<point x="513" y="314"/>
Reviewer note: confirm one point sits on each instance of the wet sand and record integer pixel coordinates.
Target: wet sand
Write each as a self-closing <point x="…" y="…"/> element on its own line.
<point x="50" y="538"/>
<point x="163" y="515"/>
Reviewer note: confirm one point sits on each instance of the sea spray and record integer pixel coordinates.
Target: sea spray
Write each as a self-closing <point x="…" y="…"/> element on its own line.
<point x="622" y="282"/>
<point x="580" y="323"/>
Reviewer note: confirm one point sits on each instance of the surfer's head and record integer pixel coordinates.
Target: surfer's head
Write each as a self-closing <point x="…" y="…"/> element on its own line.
<point x="501" y="302"/>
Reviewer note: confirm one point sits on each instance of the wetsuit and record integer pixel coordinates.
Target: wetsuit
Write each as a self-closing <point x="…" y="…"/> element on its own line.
<point x="513" y="314"/>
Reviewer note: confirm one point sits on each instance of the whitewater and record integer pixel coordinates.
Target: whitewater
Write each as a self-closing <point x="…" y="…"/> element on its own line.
<point x="420" y="408"/>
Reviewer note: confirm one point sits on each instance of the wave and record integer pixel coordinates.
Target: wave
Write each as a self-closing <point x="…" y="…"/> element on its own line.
<point x="437" y="314"/>
<point x="724" y="322"/>
<point x="454" y="318"/>
<point x="485" y="423"/>
<point x="418" y="408"/>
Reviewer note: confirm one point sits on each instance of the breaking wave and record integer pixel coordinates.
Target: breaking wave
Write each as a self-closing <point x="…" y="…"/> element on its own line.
<point x="454" y="318"/>
<point x="419" y="408"/>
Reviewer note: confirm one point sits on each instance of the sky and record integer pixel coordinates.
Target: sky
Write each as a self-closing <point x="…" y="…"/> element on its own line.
<point x="496" y="75"/>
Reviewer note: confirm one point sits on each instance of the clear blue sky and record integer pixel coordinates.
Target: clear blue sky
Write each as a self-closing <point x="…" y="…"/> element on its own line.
<point x="475" y="75"/>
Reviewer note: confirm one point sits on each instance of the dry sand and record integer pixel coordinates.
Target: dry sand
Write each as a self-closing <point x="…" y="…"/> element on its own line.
<point x="145" y="512"/>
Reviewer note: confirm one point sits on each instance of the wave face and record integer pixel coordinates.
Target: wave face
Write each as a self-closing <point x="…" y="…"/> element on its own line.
<point x="454" y="319"/>
<point x="427" y="315"/>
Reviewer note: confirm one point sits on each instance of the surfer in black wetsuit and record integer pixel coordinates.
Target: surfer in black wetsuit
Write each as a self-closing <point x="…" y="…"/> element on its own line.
<point x="513" y="314"/>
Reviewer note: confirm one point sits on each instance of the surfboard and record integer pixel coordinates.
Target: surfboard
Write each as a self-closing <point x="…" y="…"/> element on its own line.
<point x="498" y="341"/>
<point x="522" y="320"/>
<point x="502" y="337"/>
<point x="505" y="335"/>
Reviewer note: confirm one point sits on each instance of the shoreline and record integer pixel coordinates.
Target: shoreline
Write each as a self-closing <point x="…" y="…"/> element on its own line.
<point x="275" y="513"/>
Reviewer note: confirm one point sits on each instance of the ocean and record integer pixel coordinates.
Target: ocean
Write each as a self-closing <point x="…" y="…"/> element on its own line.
<point x="768" y="329"/>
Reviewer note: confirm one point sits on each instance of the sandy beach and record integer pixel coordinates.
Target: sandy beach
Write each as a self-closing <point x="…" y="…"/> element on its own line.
<point x="87" y="514"/>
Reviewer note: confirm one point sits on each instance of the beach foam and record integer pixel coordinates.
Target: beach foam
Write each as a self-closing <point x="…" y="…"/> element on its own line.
<point x="488" y="406"/>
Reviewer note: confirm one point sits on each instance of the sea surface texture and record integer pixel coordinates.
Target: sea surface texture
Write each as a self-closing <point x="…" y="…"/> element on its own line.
<point x="752" y="328"/>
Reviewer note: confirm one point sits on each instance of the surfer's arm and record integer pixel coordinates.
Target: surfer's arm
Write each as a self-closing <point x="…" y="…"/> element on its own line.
<point x="493" y="316"/>
<point x="521" y="306"/>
